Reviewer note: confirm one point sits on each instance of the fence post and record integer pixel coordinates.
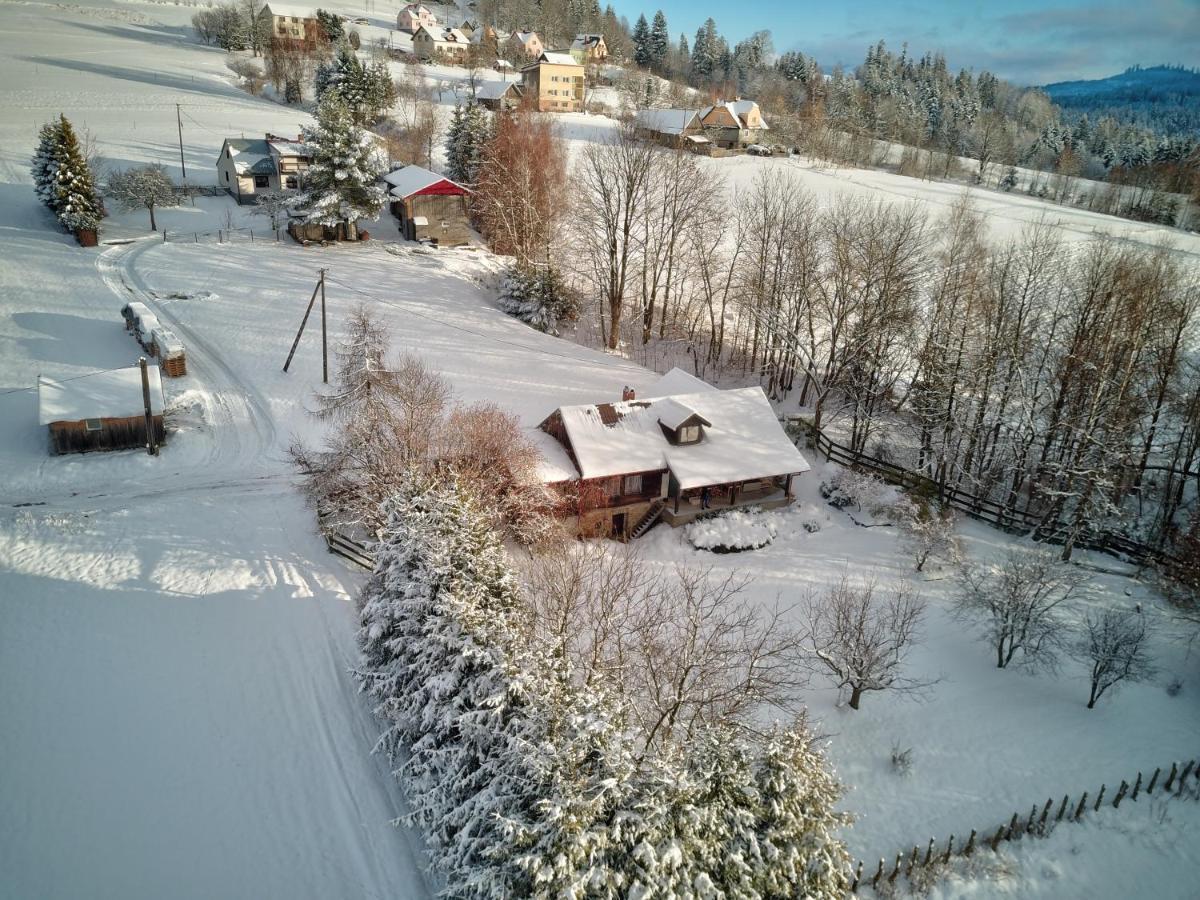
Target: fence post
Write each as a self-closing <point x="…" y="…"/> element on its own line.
<point x="1187" y="770"/>
<point x="912" y="861"/>
<point x="895" y="869"/>
<point x="970" y="848"/>
<point x="1171" y="777"/>
<point x="1062" y="809"/>
<point x="928" y="853"/>
<point x="857" y="878"/>
<point x="1012" y="828"/>
<point x="252" y="235"/>
<point x="164" y="235"/>
<point x="195" y="237"/>
<point x="1120" y="794"/>
<point x="1079" y="808"/>
<point x="220" y="237"/>
<point x="949" y="849"/>
<point x="1045" y="814"/>
<point x="878" y="874"/>
<point x="1099" y="798"/>
<point x="1137" y="786"/>
<point x="1153" y="781"/>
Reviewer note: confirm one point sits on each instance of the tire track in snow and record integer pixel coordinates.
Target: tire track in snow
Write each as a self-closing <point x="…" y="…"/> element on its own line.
<point x="233" y="407"/>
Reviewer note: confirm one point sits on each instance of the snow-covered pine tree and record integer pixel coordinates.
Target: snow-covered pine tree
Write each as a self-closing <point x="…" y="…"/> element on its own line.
<point x="798" y="825"/>
<point x="470" y="130"/>
<point x="342" y="184"/>
<point x="44" y="165"/>
<point x="659" y="41"/>
<point x="539" y="297"/>
<point x="77" y="201"/>
<point x="641" y="42"/>
<point x="454" y="164"/>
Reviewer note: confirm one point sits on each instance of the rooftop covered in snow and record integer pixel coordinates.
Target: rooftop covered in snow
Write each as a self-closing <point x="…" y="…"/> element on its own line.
<point x="742" y="438"/>
<point x="115" y="394"/>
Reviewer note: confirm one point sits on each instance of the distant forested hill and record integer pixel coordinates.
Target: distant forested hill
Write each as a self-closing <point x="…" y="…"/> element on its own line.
<point x="1165" y="99"/>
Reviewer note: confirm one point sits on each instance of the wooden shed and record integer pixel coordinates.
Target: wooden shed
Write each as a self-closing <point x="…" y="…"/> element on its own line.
<point x="430" y="207"/>
<point x="102" y="411"/>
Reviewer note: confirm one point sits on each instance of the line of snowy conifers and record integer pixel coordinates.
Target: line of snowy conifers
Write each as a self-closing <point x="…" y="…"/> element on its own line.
<point x="528" y="782"/>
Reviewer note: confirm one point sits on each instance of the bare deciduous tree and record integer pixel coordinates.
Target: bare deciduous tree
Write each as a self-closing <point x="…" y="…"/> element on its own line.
<point x="859" y="637"/>
<point x="929" y="535"/>
<point x="683" y="647"/>
<point x="1114" y="645"/>
<point x="1019" y="601"/>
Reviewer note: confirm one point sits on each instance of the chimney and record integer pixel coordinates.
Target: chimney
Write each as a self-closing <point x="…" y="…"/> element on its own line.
<point x="627" y="393"/>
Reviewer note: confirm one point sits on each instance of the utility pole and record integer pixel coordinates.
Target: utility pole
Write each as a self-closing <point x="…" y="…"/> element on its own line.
<point x="303" y="322"/>
<point x="324" y="344"/>
<point x="151" y="437"/>
<point x="179" y="122"/>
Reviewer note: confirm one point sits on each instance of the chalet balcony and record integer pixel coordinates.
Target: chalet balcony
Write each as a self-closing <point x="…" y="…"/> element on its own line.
<point x="766" y="493"/>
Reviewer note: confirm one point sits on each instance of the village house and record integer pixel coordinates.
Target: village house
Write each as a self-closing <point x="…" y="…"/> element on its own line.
<point x="554" y="83"/>
<point x="498" y="95"/>
<point x="683" y="450"/>
<point x="414" y="17"/>
<point x="671" y="128"/>
<point x="589" y="48"/>
<point x="247" y="167"/>
<point x="102" y="411"/>
<point x="728" y="125"/>
<point x="293" y="24"/>
<point x="429" y="206"/>
<point x="449" y="46"/>
<point x="525" y="43"/>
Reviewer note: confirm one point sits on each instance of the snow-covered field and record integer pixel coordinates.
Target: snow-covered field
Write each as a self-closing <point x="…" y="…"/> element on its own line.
<point x="174" y="638"/>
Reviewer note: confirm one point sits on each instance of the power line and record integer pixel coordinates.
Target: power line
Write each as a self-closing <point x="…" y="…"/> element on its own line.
<point x="64" y="380"/>
<point x="488" y="337"/>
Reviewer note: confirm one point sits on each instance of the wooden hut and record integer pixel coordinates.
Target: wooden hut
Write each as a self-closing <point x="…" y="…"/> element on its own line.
<point x="430" y="207"/>
<point x="102" y="411"/>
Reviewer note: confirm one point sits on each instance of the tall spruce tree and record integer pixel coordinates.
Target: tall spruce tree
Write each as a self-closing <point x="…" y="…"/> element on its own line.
<point x="45" y="163"/>
<point x="77" y="200"/>
<point x="659" y="42"/>
<point x="641" y="42"/>
<point x="342" y="184"/>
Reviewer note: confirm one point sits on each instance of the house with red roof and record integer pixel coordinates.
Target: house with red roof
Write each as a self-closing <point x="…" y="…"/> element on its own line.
<point x="429" y="206"/>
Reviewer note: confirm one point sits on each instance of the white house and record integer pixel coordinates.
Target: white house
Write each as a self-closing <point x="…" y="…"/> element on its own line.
<point x="681" y="450"/>
<point x="249" y="166"/>
<point x="415" y="16"/>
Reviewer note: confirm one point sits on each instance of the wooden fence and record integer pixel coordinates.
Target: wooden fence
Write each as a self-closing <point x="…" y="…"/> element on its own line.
<point x="1039" y="823"/>
<point x="1013" y="521"/>
<point x="262" y="235"/>
<point x="350" y="549"/>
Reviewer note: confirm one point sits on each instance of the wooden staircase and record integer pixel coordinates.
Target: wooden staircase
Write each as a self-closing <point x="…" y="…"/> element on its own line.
<point x="646" y="522"/>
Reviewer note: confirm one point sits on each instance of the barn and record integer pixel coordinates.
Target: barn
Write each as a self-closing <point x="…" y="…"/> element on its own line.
<point x="430" y="206"/>
<point x="101" y="411"/>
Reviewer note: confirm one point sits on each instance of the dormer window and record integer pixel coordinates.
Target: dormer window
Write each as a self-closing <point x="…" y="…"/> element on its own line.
<point x="689" y="434"/>
<point x="680" y="423"/>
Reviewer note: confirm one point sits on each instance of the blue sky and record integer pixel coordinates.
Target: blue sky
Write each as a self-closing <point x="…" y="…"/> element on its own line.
<point x="1021" y="40"/>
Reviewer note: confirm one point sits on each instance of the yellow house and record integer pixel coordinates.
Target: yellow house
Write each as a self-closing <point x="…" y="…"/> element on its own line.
<point x="588" y="48"/>
<point x="290" y="24"/>
<point x="554" y="83"/>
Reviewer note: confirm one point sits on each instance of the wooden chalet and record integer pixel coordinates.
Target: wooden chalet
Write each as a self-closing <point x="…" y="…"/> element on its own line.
<point x="102" y="411"/>
<point x="430" y="206"/>
<point x="627" y="464"/>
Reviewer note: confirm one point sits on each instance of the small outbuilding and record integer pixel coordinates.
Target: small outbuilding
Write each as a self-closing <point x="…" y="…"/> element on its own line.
<point x="102" y="411"/>
<point x="498" y="95"/>
<point x="430" y="206"/>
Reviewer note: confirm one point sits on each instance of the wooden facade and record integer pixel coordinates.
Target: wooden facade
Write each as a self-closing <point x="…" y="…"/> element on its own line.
<point x="103" y="434"/>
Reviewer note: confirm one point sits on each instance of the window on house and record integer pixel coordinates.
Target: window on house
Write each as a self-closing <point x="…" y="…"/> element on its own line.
<point x="93" y="425"/>
<point x="292" y="182"/>
<point x="633" y="484"/>
<point x="689" y="434"/>
<point x="262" y="181"/>
<point x="226" y="176"/>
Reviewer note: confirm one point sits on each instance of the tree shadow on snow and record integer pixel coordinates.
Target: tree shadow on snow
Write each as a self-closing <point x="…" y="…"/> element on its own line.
<point x="206" y="87"/>
<point x="78" y="341"/>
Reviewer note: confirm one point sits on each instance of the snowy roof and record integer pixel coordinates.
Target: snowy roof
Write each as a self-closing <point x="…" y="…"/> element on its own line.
<point x="134" y="309"/>
<point x="557" y="58"/>
<point x="450" y="36"/>
<point x="665" y="121"/>
<point x="745" y="440"/>
<point x="494" y="90"/>
<point x="673" y="413"/>
<point x="414" y="179"/>
<point x="738" y="109"/>
<point x="116" y="394"/>
<point x="525" y="36"/>
<point x="555" y="463"/>
<point x="677" y="381"/>
<point x="290" y="148"/>
<point x="284" y="9"/>
<point x="251" y="156"/>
